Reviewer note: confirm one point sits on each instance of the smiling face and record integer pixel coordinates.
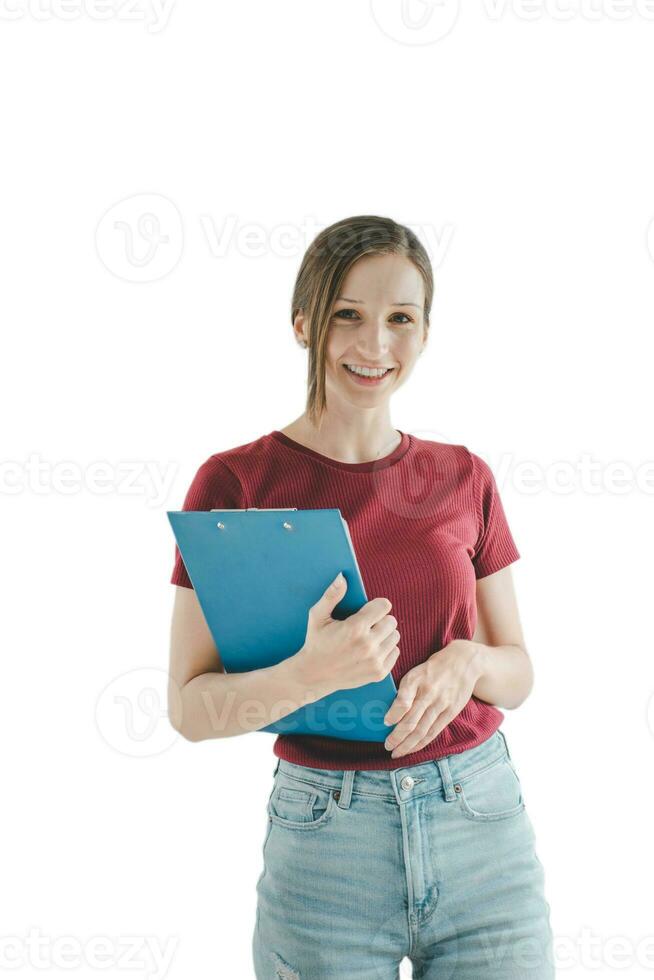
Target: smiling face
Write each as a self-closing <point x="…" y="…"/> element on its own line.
<point x="377" y="322"/>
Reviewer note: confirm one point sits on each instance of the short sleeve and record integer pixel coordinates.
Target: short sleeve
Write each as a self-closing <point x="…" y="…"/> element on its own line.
<point x="213" y="486"/>
<point x="495" y="547"/>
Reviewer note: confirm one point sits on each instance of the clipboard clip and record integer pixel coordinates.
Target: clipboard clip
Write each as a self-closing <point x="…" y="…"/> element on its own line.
<point x="240" y="509"/>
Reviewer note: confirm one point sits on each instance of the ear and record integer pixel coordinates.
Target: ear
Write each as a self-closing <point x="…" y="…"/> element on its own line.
<point x="299" y="329"/>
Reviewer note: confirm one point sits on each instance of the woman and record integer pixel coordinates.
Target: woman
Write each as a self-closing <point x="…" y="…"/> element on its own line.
<point x="420" y="846"/>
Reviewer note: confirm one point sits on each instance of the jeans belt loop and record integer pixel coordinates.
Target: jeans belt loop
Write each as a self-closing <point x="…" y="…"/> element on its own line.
<point x="345" y="792"/>
<point x="446" y="777"/>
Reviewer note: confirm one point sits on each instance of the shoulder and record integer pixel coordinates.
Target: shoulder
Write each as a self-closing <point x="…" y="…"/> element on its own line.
<point x="463" y="467"/>
<point x="236" y="458"/>
<point x="453" y="456"/>
<point x="219" y="479"/>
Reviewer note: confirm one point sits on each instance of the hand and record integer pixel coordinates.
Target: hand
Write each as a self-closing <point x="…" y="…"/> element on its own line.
<point x="339" y="654"/>
<point x="430" y="695"/>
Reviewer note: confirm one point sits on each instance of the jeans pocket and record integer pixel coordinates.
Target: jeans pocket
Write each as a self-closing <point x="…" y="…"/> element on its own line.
<point x="491" y="793"/>
<point x="298" y="805"/>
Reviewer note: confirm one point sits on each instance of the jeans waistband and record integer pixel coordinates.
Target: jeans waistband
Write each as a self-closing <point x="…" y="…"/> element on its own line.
<point x="405" y="782"/>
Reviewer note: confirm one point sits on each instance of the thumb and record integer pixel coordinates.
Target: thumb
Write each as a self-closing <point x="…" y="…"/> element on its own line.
<point x="331" y="597"/>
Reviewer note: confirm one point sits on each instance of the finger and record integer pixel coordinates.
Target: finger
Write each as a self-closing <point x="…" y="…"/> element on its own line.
<point x="386" y="628"/>
<point x="406" y="694"/>
<point x="418" y="733"/>
<point x="372" y="612"/>
<point x="434" y="729"/>
<point x="407" y="725"/>
<point x="402" y="703"/>
<point x="441" y="721"/>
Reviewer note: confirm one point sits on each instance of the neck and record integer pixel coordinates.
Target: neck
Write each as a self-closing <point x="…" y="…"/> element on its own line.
<point x="344" y="440"/>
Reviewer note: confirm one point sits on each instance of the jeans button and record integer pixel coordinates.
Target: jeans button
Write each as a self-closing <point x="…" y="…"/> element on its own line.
<point x="407" y="782"/>
<point x="337" y="794"/>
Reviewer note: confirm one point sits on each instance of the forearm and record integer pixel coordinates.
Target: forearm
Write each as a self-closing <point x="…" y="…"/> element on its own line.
<point x="504" y="674"/>
<point x="217" y="705"/>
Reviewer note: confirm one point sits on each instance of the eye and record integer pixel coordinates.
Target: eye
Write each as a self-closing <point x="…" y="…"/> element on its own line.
<point x="344" y="314"/>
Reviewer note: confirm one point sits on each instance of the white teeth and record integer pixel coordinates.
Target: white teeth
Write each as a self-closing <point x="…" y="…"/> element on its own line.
<point x="367" y="372"/>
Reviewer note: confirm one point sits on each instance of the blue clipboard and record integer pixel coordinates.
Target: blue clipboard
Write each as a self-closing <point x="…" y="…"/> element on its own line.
<point x="256" y="572"/>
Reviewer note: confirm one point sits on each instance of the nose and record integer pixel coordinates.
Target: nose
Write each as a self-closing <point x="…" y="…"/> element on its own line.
<point x="373" y="339"/>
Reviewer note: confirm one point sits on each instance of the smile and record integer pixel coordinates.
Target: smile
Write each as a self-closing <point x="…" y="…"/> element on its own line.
<point x="367" y="376"/>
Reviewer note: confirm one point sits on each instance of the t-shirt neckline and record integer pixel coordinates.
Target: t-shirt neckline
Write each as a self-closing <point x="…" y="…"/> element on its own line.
<point x="365" y="467"/>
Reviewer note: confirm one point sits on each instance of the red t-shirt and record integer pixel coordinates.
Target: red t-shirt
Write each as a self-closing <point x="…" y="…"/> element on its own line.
<point x="426" y="521"/>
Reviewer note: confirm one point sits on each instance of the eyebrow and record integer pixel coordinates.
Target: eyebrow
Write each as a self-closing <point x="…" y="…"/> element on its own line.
<point x="345" y="299"/>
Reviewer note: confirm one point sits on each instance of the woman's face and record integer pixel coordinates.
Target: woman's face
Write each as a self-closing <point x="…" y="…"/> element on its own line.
<point x="377" y="321"/>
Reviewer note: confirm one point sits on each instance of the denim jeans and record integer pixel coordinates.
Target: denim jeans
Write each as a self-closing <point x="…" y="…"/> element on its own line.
<point x="435" y="862"/>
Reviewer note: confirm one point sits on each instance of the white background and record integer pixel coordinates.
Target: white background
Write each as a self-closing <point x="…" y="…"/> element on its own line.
<point x="163" y="172"/>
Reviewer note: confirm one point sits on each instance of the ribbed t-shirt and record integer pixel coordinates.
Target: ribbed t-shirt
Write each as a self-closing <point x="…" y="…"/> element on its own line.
<point x="426" y="522"/>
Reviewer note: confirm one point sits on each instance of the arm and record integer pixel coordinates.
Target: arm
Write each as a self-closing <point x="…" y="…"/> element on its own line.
<point x="494" y="666"/>
<point x="205" y="702"/>
<point x="503" y="668"/>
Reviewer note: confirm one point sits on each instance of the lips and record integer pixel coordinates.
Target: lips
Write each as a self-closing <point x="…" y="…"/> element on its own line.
<point x="369" y="382"/>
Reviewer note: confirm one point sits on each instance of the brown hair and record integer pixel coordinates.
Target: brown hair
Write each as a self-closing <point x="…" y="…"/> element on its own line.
<point x="324" y="267"/>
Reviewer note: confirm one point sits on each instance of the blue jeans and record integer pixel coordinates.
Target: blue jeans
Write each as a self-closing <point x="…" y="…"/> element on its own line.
<point x="435" y="862"/>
